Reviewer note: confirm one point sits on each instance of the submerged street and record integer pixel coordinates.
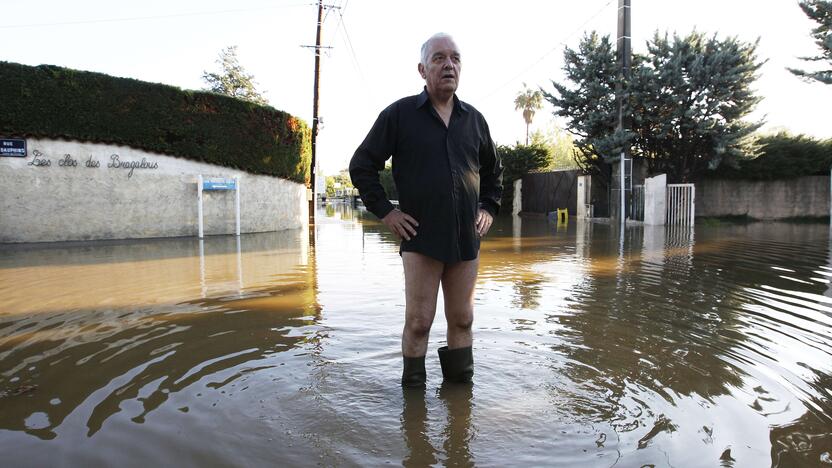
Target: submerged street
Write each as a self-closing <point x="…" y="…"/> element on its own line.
<point x="659" y="347"/>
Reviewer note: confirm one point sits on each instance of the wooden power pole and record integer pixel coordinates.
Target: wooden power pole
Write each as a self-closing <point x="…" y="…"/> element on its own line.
<point x="315" y="103"/>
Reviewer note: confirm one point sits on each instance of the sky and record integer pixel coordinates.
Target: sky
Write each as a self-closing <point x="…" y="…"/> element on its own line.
<point x="375" y="50"/>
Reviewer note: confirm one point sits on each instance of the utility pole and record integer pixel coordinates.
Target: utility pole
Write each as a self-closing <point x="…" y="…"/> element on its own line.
<point x="315" y="100"/>
<point x="624" y="53"/>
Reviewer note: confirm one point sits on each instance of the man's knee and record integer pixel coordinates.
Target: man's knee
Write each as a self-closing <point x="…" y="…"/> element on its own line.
<point x="418" y="327"/>
<point x="461" y="321"/>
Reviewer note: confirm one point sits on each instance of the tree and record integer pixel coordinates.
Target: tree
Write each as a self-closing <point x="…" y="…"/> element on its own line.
<point x="589" y="104"/>
<point x="518" y="160"/>
<point x="560" y="145"/>
<point x="689" y="96"/>
<point x="782" y="156"/>
<point x="821" y="12"/>
<point x="386" y="178"/>
<point x="233" y="80"/>
<point x="340" y="180"/>
<point x="529" y="102"/>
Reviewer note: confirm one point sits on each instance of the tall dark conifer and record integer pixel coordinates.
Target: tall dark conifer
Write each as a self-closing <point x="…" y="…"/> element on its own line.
<point x="821" y="12"/>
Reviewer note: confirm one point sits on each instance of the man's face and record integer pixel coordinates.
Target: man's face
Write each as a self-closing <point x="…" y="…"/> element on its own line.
<point x="441" y="73"/>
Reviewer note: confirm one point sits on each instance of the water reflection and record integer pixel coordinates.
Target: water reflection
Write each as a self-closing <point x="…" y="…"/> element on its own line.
<point x="420" y="450"/>
<point x="674" y="347"/>
<point x="458" y="431"/>
<point x="116" y="348"/>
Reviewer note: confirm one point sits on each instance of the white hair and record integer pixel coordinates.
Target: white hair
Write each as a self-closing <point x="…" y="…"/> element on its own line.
<point x="426" y="45"/>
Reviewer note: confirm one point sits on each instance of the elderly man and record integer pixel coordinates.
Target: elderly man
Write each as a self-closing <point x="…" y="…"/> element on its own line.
<point x="449" y="181"/>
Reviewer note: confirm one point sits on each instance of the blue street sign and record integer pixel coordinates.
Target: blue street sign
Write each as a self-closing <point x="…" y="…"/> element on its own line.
<point x="13" y="147"/>
<point x="219" y="184"/>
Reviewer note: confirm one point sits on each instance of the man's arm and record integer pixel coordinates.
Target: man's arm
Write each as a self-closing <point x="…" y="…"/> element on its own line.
<point x="369" y="159"/>
<point x="365" y="165"/>
<point x="491" y="182"/>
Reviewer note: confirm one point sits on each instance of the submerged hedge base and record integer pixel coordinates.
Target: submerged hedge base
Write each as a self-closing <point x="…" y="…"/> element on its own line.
<point x="54" y="102"/>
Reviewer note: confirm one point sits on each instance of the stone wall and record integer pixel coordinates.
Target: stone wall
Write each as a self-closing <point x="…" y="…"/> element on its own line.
<point x="778" y="199"/>
<point x="65" y="190"/>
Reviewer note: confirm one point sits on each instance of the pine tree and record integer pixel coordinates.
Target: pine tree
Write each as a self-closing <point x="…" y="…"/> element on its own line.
<point x="821" y="12"/>
<point x="689" y="96"/>
<point x="233" y="80"/>
<point x="588" y="103"/>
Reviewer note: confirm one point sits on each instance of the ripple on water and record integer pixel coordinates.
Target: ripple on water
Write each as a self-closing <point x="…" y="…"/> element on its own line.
<point x="673" y="347"/>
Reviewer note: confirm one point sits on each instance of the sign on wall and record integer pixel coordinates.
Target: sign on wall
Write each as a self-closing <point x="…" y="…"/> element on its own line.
<point x="13" y="147"/>
<point x="215" y="183"/>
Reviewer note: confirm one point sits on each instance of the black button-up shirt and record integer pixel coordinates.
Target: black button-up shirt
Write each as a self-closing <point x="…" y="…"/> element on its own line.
<point x="443" y="174"/>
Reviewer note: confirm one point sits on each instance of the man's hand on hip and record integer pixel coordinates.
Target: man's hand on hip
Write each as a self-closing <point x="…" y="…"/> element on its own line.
<point x="402" y="224"/>
<point x="484" y="220"/>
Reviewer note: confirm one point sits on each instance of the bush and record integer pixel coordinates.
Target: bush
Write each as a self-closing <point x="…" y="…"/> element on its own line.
<point x="54" y="102"/>
<point x="518" y="160"/>
<point x="782" y="156"/>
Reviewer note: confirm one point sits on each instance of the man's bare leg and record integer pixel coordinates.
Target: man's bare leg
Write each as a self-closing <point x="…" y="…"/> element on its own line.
<point x="457" y="359"/>
<point x="458" y="282"/>
<point x="421" y="277"/>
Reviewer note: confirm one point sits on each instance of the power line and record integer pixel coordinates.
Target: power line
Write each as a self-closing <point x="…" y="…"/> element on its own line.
<point x="562" y="43"/>
<point x="349" y="44"/>
<point x="145" y="18"/>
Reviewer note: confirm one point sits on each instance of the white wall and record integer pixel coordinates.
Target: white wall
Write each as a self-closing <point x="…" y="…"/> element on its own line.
<point x="64" y="201"/>
<point x="655" y="200"/>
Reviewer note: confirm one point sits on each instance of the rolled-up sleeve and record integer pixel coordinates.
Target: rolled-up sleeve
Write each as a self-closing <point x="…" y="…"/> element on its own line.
<point x="369" y="159"/>
<point x="491" y="174"/>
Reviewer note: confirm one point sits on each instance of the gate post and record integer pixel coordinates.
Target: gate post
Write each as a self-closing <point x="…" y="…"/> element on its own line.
<point x="583" y="195"/>
<point x="518" y="197"/>
<point x="655" y="200"/>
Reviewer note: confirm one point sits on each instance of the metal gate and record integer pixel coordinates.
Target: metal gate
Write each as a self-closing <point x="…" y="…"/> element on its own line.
<point x="637" y="203"/>
<point x="680" y="204"/>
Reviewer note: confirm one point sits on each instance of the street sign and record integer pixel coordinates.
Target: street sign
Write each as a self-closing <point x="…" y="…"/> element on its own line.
<point x="13" y="147"/>
<point x="219" y="184"/>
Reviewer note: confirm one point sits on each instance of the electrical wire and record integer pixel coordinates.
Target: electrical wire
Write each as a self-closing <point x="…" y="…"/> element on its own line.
<point x="562" y="43"/>
<point x="145" y="18"/>
<point x="349" y="43"/>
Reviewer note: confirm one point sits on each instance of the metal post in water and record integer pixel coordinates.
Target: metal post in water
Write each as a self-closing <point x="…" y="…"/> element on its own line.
<point x="237" y="202"/>
<point x="239" y="266"/>
<point x="203" y="289"/>
<point x="199" y="203"/>
<point x="623" y="194"/>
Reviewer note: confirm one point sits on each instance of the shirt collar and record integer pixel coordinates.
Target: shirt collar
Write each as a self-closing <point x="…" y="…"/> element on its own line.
<point x="422" y="98"/>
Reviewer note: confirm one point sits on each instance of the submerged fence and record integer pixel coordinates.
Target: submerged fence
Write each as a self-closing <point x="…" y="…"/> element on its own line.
<point x="680" y="204"/>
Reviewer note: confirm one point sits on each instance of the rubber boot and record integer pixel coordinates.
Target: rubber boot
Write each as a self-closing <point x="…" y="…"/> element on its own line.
<point x="457" y="364"/>
<point x="413" y="374"/>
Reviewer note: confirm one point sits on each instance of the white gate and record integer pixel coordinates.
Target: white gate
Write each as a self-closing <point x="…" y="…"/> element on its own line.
<point x="680" y="204"/>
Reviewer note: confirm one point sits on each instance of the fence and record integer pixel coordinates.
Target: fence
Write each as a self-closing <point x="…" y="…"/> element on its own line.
<point x="547" y="191"/>
<point x="680" y="204"/>
<point x="637" y="203"/>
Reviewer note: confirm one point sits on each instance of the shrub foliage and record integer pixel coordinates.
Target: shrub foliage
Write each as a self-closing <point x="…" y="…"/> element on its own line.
<point x="54" y="102"/>
<point x="518" y="160"/>
<point x="782" y="156"/>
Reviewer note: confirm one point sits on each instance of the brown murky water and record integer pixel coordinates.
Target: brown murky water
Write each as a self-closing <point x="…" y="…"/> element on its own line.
<point x="663" y="348"/>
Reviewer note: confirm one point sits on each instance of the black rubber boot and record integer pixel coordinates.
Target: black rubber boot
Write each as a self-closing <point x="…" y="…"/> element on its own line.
<point x="457" y="364"/>
<point x="413" y="374"/>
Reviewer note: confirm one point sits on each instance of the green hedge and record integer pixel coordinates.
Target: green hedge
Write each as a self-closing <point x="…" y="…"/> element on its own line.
<point x="54" y="102"/>
<point x="782" y="156"/>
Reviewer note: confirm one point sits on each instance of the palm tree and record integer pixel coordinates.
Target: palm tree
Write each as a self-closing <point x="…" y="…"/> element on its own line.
<point x="528" y="101"/>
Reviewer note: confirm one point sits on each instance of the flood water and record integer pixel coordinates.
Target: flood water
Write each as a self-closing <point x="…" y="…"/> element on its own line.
<point x="656" y="348"/>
